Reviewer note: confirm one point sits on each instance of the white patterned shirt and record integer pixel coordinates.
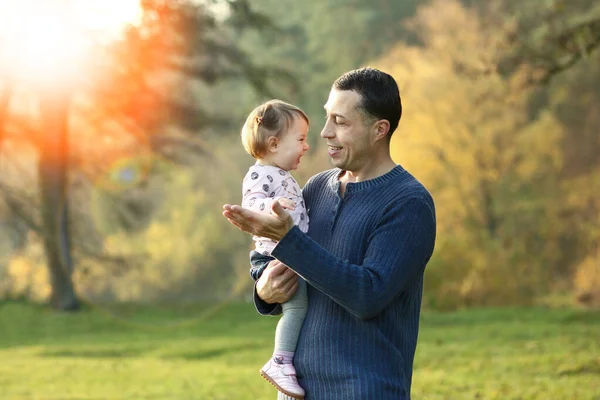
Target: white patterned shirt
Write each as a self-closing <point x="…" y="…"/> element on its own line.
<point x="264" y="184"/>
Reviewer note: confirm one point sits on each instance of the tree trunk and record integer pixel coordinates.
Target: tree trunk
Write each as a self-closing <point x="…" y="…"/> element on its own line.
<point x="53" y="180"/>
<point x="5" y="95"/>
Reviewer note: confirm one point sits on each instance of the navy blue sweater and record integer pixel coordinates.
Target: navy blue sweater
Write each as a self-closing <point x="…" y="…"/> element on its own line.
<point x="363" y="258"/>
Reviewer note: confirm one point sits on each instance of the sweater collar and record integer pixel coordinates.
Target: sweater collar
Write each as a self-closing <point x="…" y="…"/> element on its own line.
<point x="352" y="187"/>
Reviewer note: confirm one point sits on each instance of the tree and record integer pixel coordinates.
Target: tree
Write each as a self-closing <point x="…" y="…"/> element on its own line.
<point x="469" y="136"/>
<point x="142" y="85"/>
<point x="550" y="37"/>
<point x="318" y="41"/>
<point x="574" y="97"/>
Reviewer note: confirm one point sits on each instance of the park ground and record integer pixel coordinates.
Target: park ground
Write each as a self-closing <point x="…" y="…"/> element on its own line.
<point x="214" y="353"/>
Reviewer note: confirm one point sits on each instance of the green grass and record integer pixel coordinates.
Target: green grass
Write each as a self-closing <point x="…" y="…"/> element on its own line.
<point x="180" y="353"/>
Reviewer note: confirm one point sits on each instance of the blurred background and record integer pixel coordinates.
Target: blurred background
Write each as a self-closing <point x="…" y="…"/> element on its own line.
<point x="119" y="144"/>
<point x="120" y="121"/>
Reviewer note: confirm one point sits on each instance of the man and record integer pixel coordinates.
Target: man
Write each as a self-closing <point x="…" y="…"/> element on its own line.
<point x="371" y="233"/>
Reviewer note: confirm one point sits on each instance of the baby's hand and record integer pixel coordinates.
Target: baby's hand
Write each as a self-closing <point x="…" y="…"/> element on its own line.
<point x="287" y="203"/>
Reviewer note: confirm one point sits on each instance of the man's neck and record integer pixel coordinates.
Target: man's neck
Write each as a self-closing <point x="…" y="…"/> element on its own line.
<point x="374" y="169"/>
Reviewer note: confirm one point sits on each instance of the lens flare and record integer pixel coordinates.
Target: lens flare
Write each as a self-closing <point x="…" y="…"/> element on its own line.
<point x="51" y="39"/>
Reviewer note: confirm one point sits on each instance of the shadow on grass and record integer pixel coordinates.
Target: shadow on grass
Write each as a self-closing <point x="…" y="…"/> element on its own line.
<point x="591" y="317"/>
<point x="24" y="324"/>
<point x="141" y="351"/>
<point x="589" y="368"/>
<point x="99" y="352"/>
<point x="495" y="316"/>
<point x="95" y="353"/>
<point x="207" y="353"/>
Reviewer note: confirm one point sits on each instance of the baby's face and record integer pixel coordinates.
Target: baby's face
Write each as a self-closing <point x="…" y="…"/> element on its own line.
<point x="292" y="145"/>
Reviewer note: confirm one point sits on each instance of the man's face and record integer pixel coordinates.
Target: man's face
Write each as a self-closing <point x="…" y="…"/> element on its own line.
<point x="348" y="136"/>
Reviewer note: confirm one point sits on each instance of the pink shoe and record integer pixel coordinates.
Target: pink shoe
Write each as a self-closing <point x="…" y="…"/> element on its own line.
<point x="283" y="377"/>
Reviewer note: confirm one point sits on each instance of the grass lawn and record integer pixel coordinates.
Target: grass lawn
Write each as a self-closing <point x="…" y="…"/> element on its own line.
<point x="164" y="354"/>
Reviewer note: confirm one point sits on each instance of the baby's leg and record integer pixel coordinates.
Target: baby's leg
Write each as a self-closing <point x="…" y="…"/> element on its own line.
<point x="279" y="370"/>
<point x="290" y="323"/>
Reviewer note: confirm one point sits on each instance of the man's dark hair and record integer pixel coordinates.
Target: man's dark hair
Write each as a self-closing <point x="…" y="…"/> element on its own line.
<point x="380" y="97"/>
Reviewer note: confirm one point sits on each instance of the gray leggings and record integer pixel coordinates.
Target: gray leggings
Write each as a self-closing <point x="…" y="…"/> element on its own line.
<point x="288" y="327"/>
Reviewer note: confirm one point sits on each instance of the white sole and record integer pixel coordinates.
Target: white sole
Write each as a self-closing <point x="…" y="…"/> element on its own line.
<point x="279" y="388"/>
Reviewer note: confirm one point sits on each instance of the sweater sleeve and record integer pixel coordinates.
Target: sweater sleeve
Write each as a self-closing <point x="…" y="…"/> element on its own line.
<point x="398" y="250"/>
<point x="258" y="264"/>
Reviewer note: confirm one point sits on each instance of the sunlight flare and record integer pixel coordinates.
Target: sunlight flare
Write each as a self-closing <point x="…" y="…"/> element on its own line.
<point x="48" y="40"/>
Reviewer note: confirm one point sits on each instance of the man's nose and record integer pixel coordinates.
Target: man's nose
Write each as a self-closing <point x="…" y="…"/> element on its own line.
<point x="327" y="132"/>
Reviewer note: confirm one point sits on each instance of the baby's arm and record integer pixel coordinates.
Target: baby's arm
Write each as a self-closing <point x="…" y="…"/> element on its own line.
<point x="286" y="203"/>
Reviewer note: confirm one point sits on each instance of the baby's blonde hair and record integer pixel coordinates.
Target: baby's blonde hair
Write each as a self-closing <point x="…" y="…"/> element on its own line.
<point x="267" y="120"/>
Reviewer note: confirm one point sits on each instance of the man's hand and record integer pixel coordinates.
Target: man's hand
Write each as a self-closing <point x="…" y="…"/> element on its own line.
<point x="277" y="284"/>
<point x="274" y="226"/>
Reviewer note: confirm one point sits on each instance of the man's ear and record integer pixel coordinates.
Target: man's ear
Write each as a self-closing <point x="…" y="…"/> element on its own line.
<point x="381" y="129"/>
<point x="273" y="144"/>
